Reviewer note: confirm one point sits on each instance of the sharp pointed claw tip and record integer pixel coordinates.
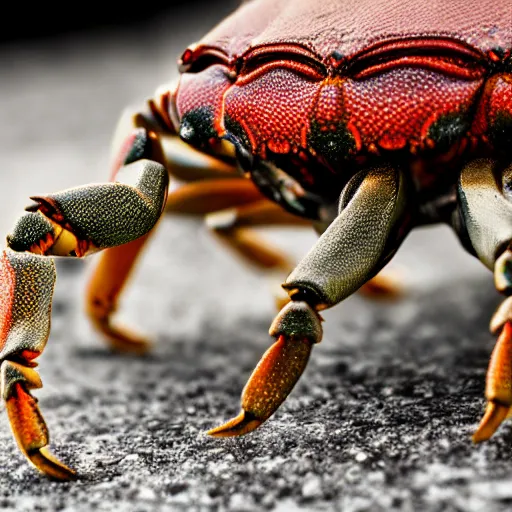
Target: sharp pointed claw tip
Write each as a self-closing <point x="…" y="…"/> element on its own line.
<point x="52" y="467"/>
<point x="480" y="436"/>
<point x="225" y="430"/>
<point x="217" y="432"/>
<point x="494" y="415"/>
<point x="67" y="475"/>
<point x="242" y="424"/>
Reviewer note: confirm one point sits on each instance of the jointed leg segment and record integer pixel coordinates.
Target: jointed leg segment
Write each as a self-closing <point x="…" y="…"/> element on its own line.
<point x="371" y="223"/>
<point x="487" y="214"/>
<point x="74" y="222"/>
<point x="26" y="291"/>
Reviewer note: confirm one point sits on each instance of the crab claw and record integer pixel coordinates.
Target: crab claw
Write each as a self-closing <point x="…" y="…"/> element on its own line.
<point x="26" y="291"/>
<point x="27" y="423"/>
<point x="498" y="386"/>
<point x="82" y="220"/>
<point x="79" y="221"/>
<point x="297" y="328"/>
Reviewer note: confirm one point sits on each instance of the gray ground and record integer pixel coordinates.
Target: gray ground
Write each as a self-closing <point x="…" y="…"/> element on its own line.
<point x="382" y="417"/>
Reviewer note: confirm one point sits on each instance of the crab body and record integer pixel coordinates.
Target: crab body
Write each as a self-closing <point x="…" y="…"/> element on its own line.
<point x="361" y="119"/>
<point x="320" y="92"/>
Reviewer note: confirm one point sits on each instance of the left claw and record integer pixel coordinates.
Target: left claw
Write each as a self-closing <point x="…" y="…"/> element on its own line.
<point x="82" y="220"/>
<point x="26" y="291"/>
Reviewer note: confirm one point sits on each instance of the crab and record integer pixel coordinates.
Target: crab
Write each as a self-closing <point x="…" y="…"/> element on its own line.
<point x="361" y="120"/>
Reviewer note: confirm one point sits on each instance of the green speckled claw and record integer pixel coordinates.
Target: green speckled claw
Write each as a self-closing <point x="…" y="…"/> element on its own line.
<point x="82" y="220"/>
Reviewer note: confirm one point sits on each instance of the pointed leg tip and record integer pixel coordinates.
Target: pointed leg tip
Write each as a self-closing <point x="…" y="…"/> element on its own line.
<point x="242" y="424"/>
<point x="138" y="347"/>
<point x="481" y="434"/>
<point x="123" y="340"/>
<point x="49" y="465"/>
<point x="120" y="338"/>
<point x="494" y="415"/>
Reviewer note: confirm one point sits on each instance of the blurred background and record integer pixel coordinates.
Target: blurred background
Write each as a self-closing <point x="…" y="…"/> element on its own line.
<point x="66" y="77"/>
<point x="45" y="20"/>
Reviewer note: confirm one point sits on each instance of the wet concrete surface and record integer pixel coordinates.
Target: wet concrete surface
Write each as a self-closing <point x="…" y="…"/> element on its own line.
<point x="382" y="417"/>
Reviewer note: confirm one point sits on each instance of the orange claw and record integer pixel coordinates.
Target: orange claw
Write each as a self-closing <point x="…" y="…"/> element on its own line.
<point x="31" y="433"/>
<point x="271" y="382"/>
<point x="498" y="390"/>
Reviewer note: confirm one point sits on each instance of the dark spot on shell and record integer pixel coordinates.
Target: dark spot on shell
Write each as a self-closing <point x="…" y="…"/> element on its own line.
<point x="333" y="146"/>
<point x="447" y="130"/>
<point x="500" y="132"/>
<point x="196" y="127"/>
<point x="337" y="56"/>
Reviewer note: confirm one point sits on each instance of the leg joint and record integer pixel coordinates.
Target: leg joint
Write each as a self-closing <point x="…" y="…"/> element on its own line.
<point x="297" y="320"/>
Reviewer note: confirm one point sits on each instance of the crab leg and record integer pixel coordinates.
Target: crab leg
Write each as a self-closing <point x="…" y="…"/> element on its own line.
<point x="487" y="214"/>
<point x="498" y="390"/>
<point x="207" y="184"/>
<point x="26" y="290"/>
<point x="150" y="134"/>
<point x="138" y="136"/>
<point x="232" y="206"/>
<point x="371" y="223"/>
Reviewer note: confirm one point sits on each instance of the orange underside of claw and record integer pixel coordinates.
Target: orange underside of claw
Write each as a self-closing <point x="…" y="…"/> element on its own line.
<point x="498" y="387"/>
<point x="271" y="382"/>
<point x="31" y="434"/>
<point x="238" y="426"/>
